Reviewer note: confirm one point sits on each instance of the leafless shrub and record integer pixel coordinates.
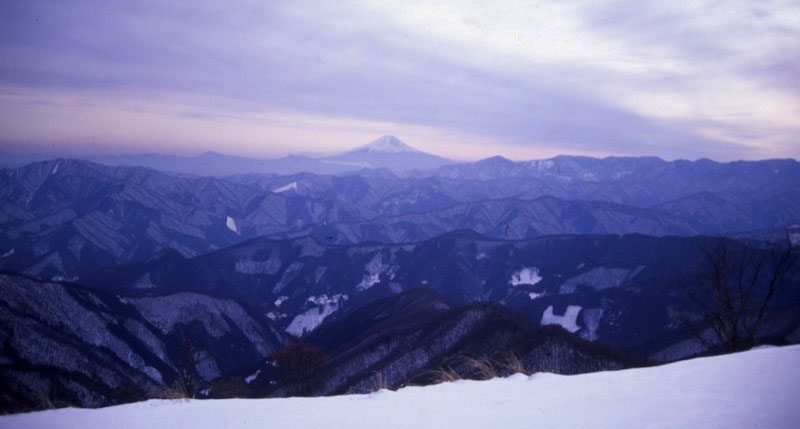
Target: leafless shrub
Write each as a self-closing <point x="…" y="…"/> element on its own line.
<point x="440" y="375"/>
<point x="185" y="386"/>
<point x="44" y="402"/>
<point x="479" y="369"/>
<point x="381" y="382"/>
<point x="731" y="289"/>
<point x="296" y="365"/>
<point x="178" y="391"/>
<point x="511" y="362"/>
<point x="230" y="387"/>
<point x="461" y="367"/>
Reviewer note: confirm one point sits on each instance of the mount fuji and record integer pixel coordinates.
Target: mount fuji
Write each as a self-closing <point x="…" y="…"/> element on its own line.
<point x="388" y="152"/>
<point x="386" y="144"/>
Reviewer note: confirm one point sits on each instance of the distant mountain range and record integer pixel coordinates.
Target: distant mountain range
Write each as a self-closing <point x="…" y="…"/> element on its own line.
<point x="65" y="218"/>
<point x="389" y="156"/>
<point x="119" y="279"/>
<point x="386" y="152"/>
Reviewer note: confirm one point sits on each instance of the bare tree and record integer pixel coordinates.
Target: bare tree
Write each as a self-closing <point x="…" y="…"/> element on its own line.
<point x="185" y="385"/>
<point x="731" y="289"/>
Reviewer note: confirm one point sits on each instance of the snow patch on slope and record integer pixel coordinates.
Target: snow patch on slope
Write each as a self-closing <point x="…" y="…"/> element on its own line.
<point x="526" y="276"/>
<point x="568" y="321"/>
<point x="369" y="280"/>
<point x="153" y="373"/>
<point x="290" y="187"/>
<point x="542" y="165"/>
<point x="273" y="315"/>
<point x="144" y="282"/>
<point x="372" y="273"/>
<point x="308" y="321"/>
<point x="231" y="224"/>
<point x="289" y="274"/>
<point x="600" y="278"/>
<point x="591" y="319"/>
<point x="249" y="379"/>
<point x="325" y="300"/>
<point x="794" y="236"/>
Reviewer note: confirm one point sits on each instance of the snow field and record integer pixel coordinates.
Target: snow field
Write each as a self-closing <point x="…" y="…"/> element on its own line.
<point x="758" y="388"/>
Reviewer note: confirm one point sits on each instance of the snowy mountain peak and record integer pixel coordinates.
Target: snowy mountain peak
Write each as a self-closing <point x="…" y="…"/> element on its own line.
<point x="388" y="144"/>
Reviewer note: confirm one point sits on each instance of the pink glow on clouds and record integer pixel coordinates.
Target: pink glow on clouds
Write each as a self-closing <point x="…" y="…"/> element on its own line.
<point x="462" y="80"/>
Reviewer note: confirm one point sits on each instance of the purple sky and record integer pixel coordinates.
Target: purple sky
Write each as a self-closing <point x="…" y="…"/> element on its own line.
<point x="463" y="79"/>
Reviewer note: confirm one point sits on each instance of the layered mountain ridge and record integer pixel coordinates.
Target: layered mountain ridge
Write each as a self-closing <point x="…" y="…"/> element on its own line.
<point x="68" y="345"/>
<point x="568" y="264"/>
<point x="617" y="290"/>
<point x="65" y="218"/>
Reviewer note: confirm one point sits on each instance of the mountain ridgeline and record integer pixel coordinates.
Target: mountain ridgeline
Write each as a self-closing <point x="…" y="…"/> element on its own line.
<point x="618" y="290"/>
<point x="66" y="218"/>
<point x="142" y="276"/>
<point x="64" y="344"/>
<point x="386" y="152"/>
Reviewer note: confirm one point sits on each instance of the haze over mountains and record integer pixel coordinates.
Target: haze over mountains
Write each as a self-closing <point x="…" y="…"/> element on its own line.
<point x="390" y="259"/>
<point x="205" y="200"/>
<point x="390" y="153"/>
<point x="385" y="152"/>
<point x="67" y="217"/>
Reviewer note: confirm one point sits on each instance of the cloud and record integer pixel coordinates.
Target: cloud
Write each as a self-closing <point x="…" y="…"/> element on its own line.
<point x="515" y="78"/>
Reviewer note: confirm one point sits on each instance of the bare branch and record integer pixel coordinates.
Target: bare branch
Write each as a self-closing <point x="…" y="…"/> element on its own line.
<point x="732" y="288"/>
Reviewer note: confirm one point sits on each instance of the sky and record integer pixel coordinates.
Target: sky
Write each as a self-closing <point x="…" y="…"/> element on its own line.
<point x="462" y="79"/>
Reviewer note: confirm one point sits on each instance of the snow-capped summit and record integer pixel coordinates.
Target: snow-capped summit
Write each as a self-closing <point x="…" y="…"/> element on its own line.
<point x="387" y="144"/>
<point x="390" y="153"/>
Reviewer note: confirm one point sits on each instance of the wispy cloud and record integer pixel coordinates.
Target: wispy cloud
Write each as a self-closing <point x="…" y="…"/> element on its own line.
<point x="461" y="79"/>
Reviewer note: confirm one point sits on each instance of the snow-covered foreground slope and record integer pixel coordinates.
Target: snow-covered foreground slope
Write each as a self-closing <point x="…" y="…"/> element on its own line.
<point x="758" y="388"/>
